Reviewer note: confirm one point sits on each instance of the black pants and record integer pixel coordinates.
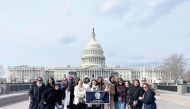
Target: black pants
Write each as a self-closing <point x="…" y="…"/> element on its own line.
<point x="72" y="106"/>
<point x="137" y="107"/>
<point x="96" y="107"/>
<point x="81" y="106"/>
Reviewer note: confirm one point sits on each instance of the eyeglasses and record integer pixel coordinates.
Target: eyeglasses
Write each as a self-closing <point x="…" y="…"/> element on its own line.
<point x="145" y="87"/>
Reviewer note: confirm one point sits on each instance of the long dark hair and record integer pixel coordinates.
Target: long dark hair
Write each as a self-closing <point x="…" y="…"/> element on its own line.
<point x="121" y="81"/>
<point x="100" y="82"/>
<point x="71" y="83"/>
<point x="111" y="78"/>
<point x="53" y="81"/>
<point x="149" y="87"/>
<point x="137" y="81"/>
<point x="92" y="81"/>
<point x="129" y="83"/>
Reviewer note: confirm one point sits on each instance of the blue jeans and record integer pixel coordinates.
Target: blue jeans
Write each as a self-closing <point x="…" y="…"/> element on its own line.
<point x="120" y="104"/>
<point x="57" y="106"/>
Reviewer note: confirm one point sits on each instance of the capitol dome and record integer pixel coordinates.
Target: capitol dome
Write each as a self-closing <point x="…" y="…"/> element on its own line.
<point x="93" y="55"/>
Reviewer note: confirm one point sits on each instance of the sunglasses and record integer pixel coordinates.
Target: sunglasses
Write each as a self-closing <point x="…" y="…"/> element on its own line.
<point x="39" y="80"/>
<point x="145" y="87"/>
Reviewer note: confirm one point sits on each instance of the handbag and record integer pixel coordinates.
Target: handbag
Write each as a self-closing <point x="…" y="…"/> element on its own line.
<point x="81" y="100"/>
<point x="130" y="102"/>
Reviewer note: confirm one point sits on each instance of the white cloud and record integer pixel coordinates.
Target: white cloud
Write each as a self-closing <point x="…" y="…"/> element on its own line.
<point x="140" y="12"/>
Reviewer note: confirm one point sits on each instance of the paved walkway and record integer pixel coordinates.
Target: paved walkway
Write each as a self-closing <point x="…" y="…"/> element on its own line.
<point x="168" y="105"/>
<point x="12" y="94"/>
<point x="9" y="99"/>
<point x="165" y="100"/>
<point x="173" y="97"/>
<point x="20" y="105"/>
<point x="160" y="105"/>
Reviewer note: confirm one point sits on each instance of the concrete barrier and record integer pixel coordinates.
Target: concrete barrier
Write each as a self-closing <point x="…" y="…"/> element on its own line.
<point x="180" y="89"/>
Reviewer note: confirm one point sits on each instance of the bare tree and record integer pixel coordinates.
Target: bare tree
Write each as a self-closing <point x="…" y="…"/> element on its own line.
<point x="187" y="76"/>
<point x="176" y="65"/>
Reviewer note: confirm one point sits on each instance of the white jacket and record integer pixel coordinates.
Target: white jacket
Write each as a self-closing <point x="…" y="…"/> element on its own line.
<point x="67" y="98"/>
<point x="79" y="93"/>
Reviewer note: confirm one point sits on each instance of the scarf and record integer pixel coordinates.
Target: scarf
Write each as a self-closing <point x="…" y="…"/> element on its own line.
<point x="121" y="92"/>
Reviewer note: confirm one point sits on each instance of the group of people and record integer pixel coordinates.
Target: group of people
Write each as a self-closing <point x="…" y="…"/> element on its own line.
<point x="70" y="93"/>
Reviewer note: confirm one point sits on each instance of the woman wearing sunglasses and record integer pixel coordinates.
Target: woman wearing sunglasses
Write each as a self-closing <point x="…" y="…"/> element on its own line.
<point x="148" y="97"/>
<point x="35" y="93"/>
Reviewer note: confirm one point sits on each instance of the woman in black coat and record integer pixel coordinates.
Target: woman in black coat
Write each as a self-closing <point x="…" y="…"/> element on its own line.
<point x="50" y="83"/>
<point x="128" y="92"/>
<point x="148" y="98"/>
<point x="121" y="94"/>
<point x="136" y="92"/>
<point x="50" y="97"/>
<point x="35" y="92"/>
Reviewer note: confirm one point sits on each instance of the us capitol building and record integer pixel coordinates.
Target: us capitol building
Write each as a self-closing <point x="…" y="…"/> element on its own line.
<point x="93" y="65"/>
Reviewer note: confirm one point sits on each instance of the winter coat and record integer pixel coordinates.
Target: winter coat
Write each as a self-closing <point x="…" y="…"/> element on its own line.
<point x="128" y="94"/>
<point x="149" y="100"/>
<point x="49" y="98"/>
<point x="35" y="93"/>
<point x="112" y="93"/>
<point x="48" y="86"/>
<point x="115" y="95"/>
<point x="136" y="92"/>
<point x="69" y="98"/>
<point x="63" y="88"/>
<point x="79" y="95"/>
<point x="121" y="93"/>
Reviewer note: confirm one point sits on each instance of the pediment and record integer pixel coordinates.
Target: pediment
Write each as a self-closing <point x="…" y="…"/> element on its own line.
<point x="93" y="67"/>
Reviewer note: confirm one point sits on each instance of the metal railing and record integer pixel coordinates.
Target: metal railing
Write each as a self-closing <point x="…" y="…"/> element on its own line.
<point x="168" y="88"/>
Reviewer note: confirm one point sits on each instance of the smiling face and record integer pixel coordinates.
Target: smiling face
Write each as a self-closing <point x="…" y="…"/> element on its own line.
<point x="100" y="79"/>
<point x="145" y="87"/>
<point x="50" y="80"/>
<point x="80" y="83"/>
<point x="136" y="83"/>
<point x="39" y="80"/>
<point x="113" y="79"/>
<point x="120" y="82"/>
<point x="105" y="82"/>
<point x="56" y="87"/>
<point x="126" y="84"/>
<point x="65" y="81"/>
<point x="94" y="83"/>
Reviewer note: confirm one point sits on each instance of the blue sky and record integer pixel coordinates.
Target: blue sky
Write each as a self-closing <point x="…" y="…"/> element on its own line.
<point x="54" y="32"/>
